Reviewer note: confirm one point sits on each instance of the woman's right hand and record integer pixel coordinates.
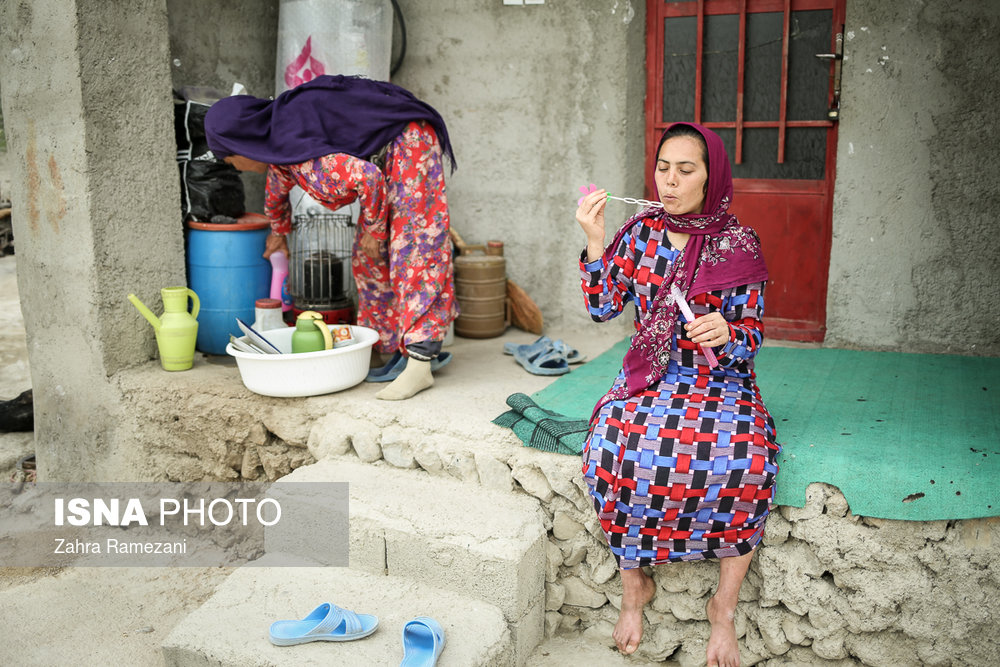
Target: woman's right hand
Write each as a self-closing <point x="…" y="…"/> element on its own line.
<point x="590" y="215"/>
<point x="274" y="243"/>
<point x="370" y="245"/>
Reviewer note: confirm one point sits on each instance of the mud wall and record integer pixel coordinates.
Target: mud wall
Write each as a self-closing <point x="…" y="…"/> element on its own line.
<point x="539" y="99"/>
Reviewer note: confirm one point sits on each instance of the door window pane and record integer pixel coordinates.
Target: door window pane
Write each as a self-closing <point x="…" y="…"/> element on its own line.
<point x="762" y="87"/>
<point x="807" y="92"/>
<point x="805" y="153"/>
<point x="679" y="42"/>
<point x="719" y="68"/>
<point x="808" y="76"/>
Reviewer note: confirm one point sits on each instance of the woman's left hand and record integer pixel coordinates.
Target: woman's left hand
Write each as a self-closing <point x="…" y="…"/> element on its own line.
<point x="711" y="330"/>
<point x="370" y="245"/>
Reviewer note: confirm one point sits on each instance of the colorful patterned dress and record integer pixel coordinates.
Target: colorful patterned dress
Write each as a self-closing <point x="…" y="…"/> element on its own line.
<point x="684" y="470"/>
<point x="408" y="294"/>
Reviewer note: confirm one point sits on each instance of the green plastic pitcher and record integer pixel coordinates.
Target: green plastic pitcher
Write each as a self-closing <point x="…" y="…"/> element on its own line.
<point x="176" y="330"/>
<point x="311" y="333"/>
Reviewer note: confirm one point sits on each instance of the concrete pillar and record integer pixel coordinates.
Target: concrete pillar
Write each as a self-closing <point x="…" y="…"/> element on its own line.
<point x="89" y="121"/>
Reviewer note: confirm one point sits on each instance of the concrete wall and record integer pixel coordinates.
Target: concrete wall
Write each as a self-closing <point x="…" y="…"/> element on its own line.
<point x="544" y="98"/>
<point x="539" y="100"/>
<point x="86" y="105"/>
<point x="216" y="44"/>
<point x="915" y="264"/>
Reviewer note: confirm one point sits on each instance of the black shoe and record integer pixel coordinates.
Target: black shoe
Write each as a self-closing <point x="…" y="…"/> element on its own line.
<point x="18" y="414"/>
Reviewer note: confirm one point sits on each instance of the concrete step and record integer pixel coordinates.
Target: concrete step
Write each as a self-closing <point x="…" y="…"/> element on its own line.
<point x="420" y="545"/>
<point x="231" y="628"/>
<point x="460" y="537"/>
<point x="563" y="651"/>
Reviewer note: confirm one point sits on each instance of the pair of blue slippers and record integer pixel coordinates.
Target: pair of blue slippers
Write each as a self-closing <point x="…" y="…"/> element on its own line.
<point x="423" y="637"/>
<point x="397" y="363"/>
<point x="544" y="356"/>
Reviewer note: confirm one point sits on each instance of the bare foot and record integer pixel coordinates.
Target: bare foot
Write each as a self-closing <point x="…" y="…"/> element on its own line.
<point x="637" y="590"/>
<point x="723" y="650"/>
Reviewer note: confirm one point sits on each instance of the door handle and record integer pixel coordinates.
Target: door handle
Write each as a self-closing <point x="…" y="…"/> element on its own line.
<point x="837" y="57"/>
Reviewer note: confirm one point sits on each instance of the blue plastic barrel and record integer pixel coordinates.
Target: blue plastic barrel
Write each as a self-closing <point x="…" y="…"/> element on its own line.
<point x="227" y="272"/>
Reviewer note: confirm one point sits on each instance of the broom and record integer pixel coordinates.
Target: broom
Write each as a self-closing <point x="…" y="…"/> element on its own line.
<point x="524" y="312"/>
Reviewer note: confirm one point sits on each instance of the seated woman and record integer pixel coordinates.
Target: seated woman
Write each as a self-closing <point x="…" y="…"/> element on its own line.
<point x="681" y="456"/>
<point x="343" y="139"/>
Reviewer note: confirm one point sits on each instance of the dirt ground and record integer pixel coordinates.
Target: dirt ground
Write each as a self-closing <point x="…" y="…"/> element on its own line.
<point x="103" y="616"/>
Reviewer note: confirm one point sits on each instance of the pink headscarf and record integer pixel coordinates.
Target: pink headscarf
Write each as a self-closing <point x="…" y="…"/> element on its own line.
<point x="720" y="253"/>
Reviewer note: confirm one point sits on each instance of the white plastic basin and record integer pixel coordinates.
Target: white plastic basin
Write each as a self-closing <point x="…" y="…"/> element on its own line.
<point x="306" y="373"/>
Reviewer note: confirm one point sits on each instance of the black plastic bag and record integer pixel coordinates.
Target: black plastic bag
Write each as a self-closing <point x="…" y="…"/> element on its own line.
<point x="189" y="127"/>
<point x="210" y="188"/>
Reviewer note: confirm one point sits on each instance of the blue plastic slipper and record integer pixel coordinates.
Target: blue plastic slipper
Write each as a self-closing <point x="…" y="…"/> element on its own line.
<point x="397" y="363"/>
<point x="540" y="344"/>
<point x="573" y="355"/>
<point x="440" y="361"/>
<point x="548" y="361"/>
<point x="393" y="367"/>
<point x="326" y="623"/>
<point x="423" y="641"/>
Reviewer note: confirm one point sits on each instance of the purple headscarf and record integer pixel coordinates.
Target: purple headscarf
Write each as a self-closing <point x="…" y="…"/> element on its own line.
<point x="330" y="114"/>
<point x="720" y="253"/>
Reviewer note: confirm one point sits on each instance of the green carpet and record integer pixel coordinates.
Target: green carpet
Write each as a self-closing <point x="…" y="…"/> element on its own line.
<point x="903" y="436"/>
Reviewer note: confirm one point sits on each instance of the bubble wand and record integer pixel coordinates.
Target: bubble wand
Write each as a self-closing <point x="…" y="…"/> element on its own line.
<point x="637" y="202"/>
<point x="685" y="309"/>
<point x="628" y="200"/>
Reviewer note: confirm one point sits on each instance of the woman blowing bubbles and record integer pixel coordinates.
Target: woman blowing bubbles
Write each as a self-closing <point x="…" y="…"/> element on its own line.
<point x="680" y="456"/>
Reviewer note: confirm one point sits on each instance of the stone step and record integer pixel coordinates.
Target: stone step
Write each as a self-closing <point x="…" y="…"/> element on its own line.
<point x="231" y="628"/>
<point x="480" y="543"/>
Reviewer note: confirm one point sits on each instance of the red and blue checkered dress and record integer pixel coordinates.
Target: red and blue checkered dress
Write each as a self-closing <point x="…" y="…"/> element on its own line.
<point x="685" y="469"/>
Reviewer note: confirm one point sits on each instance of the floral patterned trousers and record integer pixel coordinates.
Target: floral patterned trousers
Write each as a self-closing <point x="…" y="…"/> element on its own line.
<point x="408" y="293"/>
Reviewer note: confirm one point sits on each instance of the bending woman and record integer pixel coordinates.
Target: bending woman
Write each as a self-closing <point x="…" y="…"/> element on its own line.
<point x="680" y="458"/>
<point x="343" y="139"/>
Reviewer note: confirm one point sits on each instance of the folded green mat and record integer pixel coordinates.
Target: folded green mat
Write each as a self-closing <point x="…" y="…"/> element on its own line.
<point x="903" y="436"/>
<point x="543" y="429"/>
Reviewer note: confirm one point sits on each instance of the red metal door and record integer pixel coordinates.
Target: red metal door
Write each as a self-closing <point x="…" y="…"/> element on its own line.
<point x="749" y="70"/>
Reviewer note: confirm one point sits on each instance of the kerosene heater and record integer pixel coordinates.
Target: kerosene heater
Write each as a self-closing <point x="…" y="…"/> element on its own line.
<point x="319" y="269"/>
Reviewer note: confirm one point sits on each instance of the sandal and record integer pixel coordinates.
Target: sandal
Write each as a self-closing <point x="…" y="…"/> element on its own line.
<point x="573" y="355"/>
<point x="423" y="641"/>
<point x="391" y="370"/>
<point x="548" y="360"/>
<point x="325" y="623"/>
<point x="540" y="344"/>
